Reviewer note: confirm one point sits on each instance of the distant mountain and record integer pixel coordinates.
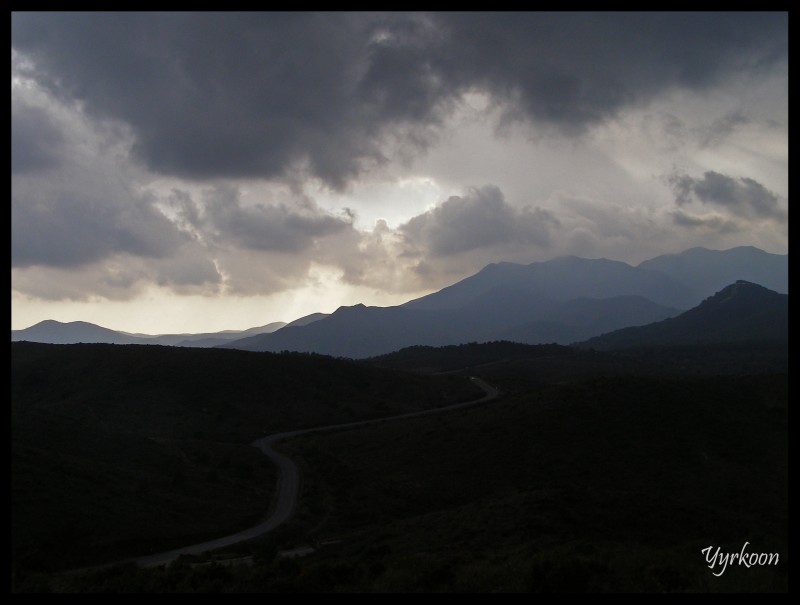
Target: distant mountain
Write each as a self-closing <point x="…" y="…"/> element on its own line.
<point x="304" y="321"/>
<point x="741" y="312"/>
<point x="706" y="271"/>
<point x="56" y="332"/>
<point x="265" y="329"/>
<point x="208" y="339"/>
<point x="219" y="339"/>
<point x="354" y="332"/>
<point x="500" y="314"/>
<point x="564" y="278"/>
<point x="558" y="301"/>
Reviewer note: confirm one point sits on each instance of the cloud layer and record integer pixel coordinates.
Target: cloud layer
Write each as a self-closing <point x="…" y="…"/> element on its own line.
<point x="71" y="202"/>
<point x="210" y="95"/>
<point x="252" y="154"/>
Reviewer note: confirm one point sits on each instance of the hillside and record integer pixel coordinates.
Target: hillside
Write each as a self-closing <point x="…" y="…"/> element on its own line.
<point x="605" y="483"/>
<point x="123" y="450"/>
<point x="740" y="312"/>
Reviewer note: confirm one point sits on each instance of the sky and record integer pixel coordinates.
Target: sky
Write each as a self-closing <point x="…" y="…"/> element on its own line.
<point x="194" y="172"/>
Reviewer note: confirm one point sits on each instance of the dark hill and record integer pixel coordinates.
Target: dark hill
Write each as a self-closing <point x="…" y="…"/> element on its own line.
<point x="124" y="450"/>
<point x="741" y="312"/>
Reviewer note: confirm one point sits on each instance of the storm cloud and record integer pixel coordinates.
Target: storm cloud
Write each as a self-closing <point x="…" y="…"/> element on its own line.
<point x="72" y="202"/>
<point x="69" y="228"/>
<point x="35" y="138"/>
<point x="742" y="196"/>
<point x="479" y="219"/>
<point x="268" y="227"/>
<point x="210" y="95"/>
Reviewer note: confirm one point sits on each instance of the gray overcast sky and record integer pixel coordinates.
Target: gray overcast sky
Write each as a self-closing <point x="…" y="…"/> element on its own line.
<point x="204" y="171"/>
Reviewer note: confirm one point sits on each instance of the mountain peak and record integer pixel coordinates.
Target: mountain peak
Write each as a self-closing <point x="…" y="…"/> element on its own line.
<point x="740" y="290"/>
<point x="350" y="308"/>
<point x="740" y="312"/>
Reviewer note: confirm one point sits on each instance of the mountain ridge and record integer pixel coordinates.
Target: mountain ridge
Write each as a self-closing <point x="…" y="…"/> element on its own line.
<point x="524" y="303"/>
<point x="707" y="271"/>
<point x="740" y="312"/>
<point x="504" y="300"/>
<point x="55" y="332"/>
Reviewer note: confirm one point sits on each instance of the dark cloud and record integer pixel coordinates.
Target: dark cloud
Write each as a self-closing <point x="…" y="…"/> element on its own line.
<point x="715" y="223"/>
<point x="70" y="227"/>
<point x="262" y="94"/>
<point x="269" y="227"/>
<point x="72" y="201"/>
<point x="743" y="196"/>
<point x="188" y="271"/>
<point x="36" y="139"/>
<point x="210" y="94"/>
<point x="479" y="219"/>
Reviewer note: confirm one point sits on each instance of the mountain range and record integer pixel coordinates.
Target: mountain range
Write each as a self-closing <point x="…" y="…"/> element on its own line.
<point x="56" y="332"/>
<point x="706" y="271"/>
<point x="564" y="300"/>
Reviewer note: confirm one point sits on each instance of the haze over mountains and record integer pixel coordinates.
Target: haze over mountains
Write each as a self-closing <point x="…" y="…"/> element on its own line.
<point x="564" y="300"/>
<point x="56" y="332"/>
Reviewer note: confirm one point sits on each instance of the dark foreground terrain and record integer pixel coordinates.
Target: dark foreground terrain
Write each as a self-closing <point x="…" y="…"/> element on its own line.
<point x="121" y="451"/>
<point x="594" y="472"/>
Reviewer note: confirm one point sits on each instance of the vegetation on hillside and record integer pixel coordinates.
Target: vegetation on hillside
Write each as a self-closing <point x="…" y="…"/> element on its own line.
<point x="128" y="450"/>
<point x="594" y="472"/>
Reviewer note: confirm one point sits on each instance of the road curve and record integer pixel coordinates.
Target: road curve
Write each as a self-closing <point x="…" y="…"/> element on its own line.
<point x="289" y="481"/>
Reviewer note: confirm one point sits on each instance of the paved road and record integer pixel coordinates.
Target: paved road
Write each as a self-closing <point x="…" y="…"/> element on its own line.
<point x="289" y="481"/>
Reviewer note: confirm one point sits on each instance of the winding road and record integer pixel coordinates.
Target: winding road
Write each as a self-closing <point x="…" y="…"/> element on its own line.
<point x="289" y="481"/>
